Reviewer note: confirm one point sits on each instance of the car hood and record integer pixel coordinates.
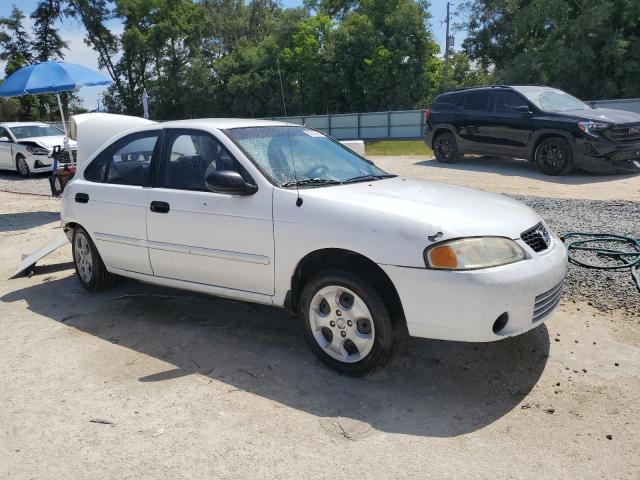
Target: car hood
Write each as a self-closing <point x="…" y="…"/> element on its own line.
<point x="608" y="115"/>
<point x="48" y="141"/>
<point x="423" y="208"/>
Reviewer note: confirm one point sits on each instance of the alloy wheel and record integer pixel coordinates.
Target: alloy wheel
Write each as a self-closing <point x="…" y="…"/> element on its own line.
<point x="83" y="258"/>
<point x="23" y="167"/>
<point x="341" y="324"/>
<point x="444" y="149"/>
<point x="552" y="156"/>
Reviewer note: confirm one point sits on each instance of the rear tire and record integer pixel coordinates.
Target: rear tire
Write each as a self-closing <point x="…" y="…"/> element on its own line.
<point x="553" y="156"/>
<point x="346" y="323"/>
<point x="90" y="269"/>
<point x="22" y="166"/>
<point x="445" y="148"/>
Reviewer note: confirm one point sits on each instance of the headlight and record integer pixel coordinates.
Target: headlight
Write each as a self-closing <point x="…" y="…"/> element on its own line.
<point x="37" y="150"/>
<point x="591" y="128"/>
<point x="472" y="253"/>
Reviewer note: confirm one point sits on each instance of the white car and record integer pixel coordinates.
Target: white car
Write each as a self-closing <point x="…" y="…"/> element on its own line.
<point x="282" y="214"/>
<point x="27" y="146"/>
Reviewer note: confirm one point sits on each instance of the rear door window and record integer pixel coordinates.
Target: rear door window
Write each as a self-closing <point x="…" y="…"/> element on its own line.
<point x="507" y="102"/>
<point x="125" y="162"/>
<point x="476" y="101"/>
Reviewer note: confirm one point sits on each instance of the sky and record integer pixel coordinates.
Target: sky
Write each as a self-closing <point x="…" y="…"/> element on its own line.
<point x="78" y="52"/>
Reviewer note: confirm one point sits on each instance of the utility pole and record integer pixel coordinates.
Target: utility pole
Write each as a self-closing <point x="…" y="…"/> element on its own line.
<point x="446" y="42"/>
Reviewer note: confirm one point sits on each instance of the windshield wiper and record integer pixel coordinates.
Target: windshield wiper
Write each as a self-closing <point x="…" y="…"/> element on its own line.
<point x="311" y="181"/>
<point x="368" y="178"/>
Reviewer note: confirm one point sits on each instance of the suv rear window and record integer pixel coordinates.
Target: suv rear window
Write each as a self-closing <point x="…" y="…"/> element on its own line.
<point x="448" y="99"/>
<point x="476" y="101"/>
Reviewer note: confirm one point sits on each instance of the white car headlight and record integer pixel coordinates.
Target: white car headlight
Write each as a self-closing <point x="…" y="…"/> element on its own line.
<point x="473" y="253"/>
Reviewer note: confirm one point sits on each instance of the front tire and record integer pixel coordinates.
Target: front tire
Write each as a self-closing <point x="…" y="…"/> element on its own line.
<point x="22" y="166"/>
<point x="553" y="156"/>
<point x="445" y="148"/>
<point x="346" y="323"/>
<point x="90" y="269"/>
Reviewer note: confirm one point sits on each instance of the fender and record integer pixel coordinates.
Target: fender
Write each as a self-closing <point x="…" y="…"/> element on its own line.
<point x="437" y="128"/>
<point x="538" y="135"/>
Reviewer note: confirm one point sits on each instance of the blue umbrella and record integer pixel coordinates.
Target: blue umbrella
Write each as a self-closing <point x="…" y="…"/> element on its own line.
<point x="51" y="77"/>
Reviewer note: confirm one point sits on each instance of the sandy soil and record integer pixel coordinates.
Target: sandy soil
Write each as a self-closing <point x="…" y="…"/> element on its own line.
<point x="514" y="176"/>
<point x="145" y="382"/>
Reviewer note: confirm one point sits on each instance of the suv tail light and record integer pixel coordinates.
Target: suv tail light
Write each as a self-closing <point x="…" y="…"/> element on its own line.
<point x="427" y="114"/>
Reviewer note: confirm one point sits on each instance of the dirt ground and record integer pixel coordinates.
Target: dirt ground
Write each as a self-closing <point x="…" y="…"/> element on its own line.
<point x="147" y="382"/>
<point x="513" y="176"/>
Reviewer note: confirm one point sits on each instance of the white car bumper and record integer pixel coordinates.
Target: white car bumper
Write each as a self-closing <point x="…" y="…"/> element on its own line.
<point x="464" y="305"/>
<point x="39" y="163"/>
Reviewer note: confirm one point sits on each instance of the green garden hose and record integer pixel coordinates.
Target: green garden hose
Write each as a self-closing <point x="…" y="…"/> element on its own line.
<point x="592" y="242"/>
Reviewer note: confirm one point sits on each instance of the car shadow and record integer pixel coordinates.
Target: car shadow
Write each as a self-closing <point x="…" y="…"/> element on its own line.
<point x="513" y="167"/>
<point x="10" y="222"/>
<point x="430" y="388"/>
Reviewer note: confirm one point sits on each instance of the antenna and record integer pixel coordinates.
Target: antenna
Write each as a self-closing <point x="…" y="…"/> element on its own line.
<point x="284" y="105"/>
<point x="295" y="172"/>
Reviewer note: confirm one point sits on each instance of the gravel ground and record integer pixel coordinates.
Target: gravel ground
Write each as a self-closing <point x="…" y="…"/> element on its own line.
<point x="604" y="289"/>
<point x="35" y="185"/>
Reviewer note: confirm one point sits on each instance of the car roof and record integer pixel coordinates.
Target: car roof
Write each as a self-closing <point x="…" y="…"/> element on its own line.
<point x="224" y="123"/>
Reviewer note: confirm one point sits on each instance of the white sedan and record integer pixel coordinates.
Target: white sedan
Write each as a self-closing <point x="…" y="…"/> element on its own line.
<point x="283" y="215"/>
<point x="27" y="146"/>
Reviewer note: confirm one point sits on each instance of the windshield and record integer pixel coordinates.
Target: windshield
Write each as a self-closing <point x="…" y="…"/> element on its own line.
<point x="28" y="131"/>
<point x="552" y="99"/>
<point x="317" y="158"/>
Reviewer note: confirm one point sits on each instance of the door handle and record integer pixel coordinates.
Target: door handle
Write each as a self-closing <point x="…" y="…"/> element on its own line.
<point x="82" y="197"/>
<point x="159" y="207"/>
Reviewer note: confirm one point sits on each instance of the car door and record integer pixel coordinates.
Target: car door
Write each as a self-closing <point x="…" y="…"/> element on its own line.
<point x="6" y="149"/>
<point x="196" y="235"/>
<point x="508" y="128"/>
<point x="472" y="121"/>
<point x="111" y="200"/>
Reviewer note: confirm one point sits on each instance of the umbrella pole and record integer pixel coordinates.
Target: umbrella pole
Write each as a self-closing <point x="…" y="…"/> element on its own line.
<point x="64" y="124"/>
<point x="66" y="134"/>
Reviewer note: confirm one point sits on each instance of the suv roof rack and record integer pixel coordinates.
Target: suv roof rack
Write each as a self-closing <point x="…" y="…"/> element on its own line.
<point x="459" y="89"/>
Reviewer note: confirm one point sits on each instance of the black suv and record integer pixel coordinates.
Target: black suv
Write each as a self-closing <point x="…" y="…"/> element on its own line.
<point x="544" y="125"/>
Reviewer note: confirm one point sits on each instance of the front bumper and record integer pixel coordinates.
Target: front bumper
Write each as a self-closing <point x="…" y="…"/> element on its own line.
<point x="599" y="156"/>
<point x="464" y="305"/>
<point x="40" y="163"/>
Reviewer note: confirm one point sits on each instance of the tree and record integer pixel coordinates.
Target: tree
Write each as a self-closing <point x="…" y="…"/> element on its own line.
<point x="19" y="48"/>
<point x="47" y="43"/>
<point x="590" y="48"/>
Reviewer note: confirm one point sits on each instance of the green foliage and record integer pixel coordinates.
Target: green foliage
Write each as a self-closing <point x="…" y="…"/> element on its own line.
<point x="459" y="72"/>
<point x="9" y="109"/>
<point x="590" y="48"/>
<point x="348" y="56"/>
<point x="19" y="48"/>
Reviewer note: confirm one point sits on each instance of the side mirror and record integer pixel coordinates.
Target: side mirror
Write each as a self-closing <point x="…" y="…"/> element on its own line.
<point x="5" y="139"/>
<point x="228" y="181"/>
<point x="522" y="109"/>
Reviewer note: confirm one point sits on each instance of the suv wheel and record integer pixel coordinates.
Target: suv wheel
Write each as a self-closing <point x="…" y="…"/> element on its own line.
<point x="445" y="148"/>
<point x="92" y="273"/>
<point x="346" y="323"/>
<point x="553" y="156"/>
